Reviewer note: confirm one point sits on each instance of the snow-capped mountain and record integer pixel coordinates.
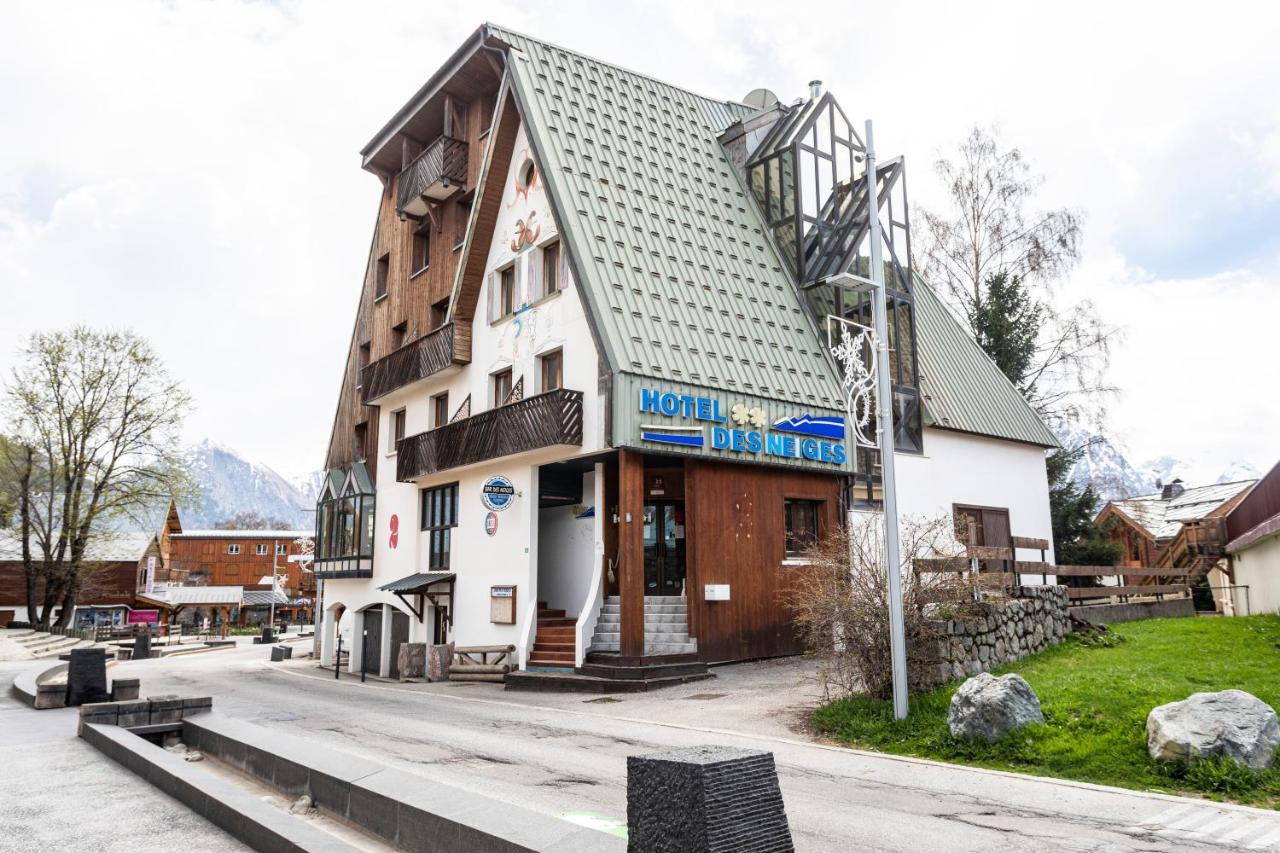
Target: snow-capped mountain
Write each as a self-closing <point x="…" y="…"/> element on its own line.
<point x="230" y="484"/>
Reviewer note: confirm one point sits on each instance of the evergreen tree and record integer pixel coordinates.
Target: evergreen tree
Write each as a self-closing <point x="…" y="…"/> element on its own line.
<point x="1006" y="324"/>
<point x="1076" y="540"/>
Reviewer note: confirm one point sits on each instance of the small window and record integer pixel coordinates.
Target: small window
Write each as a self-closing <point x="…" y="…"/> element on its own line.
<point x="461" y="218"/>
<point x="233" y="550"/>
<point x="359" y="436"/>
<point x="440" y="410"/>
<point x="281" y="549"/>
<point x="507" y="291"/>
<point x="399" y="334"/>
<point x="439" y="313"/>
<point x="381" y="274"/>
<point x="439" y="517"/>
<point x="801" y="520"/>
<point x="528" y="175"/>
<point x="397" y="429"/>
<point x="551" y="269"/>
<point x="501" y="387"/>
<point x="552" y="370"/>
<point x="262" y="550"/>
<point x="420" y="258"/>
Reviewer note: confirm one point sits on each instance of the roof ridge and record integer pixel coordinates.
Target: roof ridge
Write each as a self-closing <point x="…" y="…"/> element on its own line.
<point x="498" y="29"/>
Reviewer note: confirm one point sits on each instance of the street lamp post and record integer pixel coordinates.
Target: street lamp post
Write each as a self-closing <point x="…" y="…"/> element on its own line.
<point x="860" y="377"/>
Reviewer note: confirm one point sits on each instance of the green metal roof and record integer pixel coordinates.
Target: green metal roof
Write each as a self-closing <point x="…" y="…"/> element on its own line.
<point x="679" y="275"/>
<point x="682" y="281"/>
<point x="961" y="386"/>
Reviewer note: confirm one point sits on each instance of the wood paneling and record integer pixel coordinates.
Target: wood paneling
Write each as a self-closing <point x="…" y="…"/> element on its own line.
<point x="206" y="562"/>
<point x="631" y="551"/>
<point x="736" y="536"/>
<point x="410" y="293"/>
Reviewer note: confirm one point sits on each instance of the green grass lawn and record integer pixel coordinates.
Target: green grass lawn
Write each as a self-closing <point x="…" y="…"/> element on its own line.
<point x="1095" y="701"/>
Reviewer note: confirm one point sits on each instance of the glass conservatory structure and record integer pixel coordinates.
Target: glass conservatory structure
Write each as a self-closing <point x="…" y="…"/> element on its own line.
<point x="345" y="524"/>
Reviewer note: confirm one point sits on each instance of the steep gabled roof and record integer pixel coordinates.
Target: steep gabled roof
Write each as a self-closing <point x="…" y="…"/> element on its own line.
<point x="681" y="279"/>
<point x="961" y="386"/>
<point x="1163" y="517"/>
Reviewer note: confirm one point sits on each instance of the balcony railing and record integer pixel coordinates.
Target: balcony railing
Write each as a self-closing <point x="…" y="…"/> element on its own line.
<point x="429" y="354"/>
<point x="545" y="420"/>
<point x="434" y="175"/>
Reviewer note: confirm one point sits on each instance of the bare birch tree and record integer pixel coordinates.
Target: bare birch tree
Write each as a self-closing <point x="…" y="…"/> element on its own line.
<point x="94" y="419"/>
<point x="987" y="232"/>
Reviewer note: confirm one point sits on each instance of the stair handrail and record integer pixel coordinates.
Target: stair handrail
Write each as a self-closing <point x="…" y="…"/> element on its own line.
<point x="588" y="616"/>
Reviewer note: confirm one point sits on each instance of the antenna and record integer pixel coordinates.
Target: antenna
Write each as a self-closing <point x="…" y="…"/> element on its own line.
<point x="760" y="99"/>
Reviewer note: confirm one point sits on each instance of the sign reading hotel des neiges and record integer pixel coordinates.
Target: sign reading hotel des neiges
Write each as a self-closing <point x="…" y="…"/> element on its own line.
<point x="809" y="437"/>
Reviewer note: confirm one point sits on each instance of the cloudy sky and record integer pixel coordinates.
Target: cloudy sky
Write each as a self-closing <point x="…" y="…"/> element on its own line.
<point x="191" y="170"/>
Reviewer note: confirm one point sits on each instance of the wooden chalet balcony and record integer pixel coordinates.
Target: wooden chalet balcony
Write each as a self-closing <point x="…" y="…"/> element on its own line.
<point x="450" y="344"/>
<point x="434" y="175"/>
<point x="544" y="420"/>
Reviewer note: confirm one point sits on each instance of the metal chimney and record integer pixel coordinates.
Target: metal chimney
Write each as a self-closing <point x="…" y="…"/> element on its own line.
<point x="815" y="89"/>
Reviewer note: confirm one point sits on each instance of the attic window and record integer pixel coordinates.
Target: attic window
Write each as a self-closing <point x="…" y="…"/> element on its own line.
<point x="527" y="175"/>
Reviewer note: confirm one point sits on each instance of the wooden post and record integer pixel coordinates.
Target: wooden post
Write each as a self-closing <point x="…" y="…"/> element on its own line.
<point x="631" y="552"/>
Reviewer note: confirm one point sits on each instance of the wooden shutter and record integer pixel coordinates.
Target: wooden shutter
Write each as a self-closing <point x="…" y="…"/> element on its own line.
<point x="562" y="280"/>
<point x="492" y="300"/>
<point x="533" y="287"/>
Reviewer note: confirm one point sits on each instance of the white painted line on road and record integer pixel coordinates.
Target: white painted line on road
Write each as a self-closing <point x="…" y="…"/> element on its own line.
<point x="1265" y="841"/>
<point x="1176" y="801"/>
<point x="1167" y="816"/>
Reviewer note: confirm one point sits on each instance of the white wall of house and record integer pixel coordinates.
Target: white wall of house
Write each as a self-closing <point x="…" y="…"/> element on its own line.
<point x="1258" y="567"/>
<point x="509" y="557"/>
<point x="962" y="468"/>
<point x="566" y="551"/>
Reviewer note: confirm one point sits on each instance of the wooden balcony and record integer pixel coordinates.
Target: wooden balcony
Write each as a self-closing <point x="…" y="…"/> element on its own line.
<point x="448" y="345"/>
<point x="434" y="175"/>
<point x="544" y="420"/>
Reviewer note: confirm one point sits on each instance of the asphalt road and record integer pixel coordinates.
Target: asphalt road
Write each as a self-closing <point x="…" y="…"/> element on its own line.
<point x="563" y="755"/>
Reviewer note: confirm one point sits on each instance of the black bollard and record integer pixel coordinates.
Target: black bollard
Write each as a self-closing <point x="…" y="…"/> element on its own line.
<point x="337" y="659"/>
<point x="141" y="645"/>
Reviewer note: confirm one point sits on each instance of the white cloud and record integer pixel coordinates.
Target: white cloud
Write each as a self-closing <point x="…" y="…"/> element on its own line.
<point x="190" y="169"/>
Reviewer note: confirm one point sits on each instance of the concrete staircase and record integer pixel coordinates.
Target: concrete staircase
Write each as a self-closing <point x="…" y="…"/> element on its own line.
<point x="555" y="640"/>
<point x="666" y="626"/>
<point x="43" y="645"/>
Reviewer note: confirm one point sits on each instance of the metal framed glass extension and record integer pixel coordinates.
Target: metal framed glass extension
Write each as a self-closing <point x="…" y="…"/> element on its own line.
<point x="345" y="517"/>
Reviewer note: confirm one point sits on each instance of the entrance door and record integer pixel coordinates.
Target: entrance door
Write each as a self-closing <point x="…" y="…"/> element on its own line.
<point x="664" y="548"/>
<point x="399" y="635"/>
<point x="371" y="654"/>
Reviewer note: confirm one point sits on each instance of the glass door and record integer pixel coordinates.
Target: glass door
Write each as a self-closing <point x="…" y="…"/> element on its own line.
<point x="664" y="568"/>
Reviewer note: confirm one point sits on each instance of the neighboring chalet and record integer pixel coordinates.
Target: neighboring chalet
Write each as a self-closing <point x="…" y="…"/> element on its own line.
<point x="588" y="406"/>
<point x="257" y="561"/>
<point x="1253" y="545"/>
<point x="1178" y="528"/>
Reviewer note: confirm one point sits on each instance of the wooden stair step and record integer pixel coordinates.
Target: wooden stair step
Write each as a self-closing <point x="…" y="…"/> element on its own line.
<point x="544" y="613"/>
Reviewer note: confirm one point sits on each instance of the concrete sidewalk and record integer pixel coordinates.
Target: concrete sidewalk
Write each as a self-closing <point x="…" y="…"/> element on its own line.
<point x="59" y="793"/>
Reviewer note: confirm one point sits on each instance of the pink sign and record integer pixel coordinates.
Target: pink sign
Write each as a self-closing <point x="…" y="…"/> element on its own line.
<point x="394" y="539"/>
<point x="137" y="617"/>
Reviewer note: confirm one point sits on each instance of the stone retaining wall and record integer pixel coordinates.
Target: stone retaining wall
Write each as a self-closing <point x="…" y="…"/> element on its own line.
<point x="1001" y="630"/>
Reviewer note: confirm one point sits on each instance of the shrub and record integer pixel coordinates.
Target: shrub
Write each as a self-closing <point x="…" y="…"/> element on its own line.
<point x="840" y="604"/>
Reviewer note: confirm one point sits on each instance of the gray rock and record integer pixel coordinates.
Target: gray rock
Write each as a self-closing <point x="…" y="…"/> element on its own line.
<point x="1229" y="723"/>
<point x="987" y="708"/>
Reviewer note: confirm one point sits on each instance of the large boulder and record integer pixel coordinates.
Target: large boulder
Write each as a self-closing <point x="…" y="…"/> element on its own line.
<point x="988" y="708"/>
<point x="1229" y="723"/>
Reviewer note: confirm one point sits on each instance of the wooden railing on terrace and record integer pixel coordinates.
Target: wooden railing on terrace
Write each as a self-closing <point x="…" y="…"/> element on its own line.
<point x="435" y="174"/>
<point x="418" y="359"/>
<point x="544" y="420"/>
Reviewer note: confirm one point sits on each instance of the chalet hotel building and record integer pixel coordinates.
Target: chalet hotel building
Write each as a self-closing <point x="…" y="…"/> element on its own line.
<point x="588" y="408"/>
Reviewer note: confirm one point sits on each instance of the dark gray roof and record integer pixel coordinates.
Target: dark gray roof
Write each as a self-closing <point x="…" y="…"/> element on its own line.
<point x="416" y="582"/>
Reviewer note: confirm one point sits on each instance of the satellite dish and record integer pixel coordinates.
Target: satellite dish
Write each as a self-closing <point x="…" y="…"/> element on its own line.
<point x="760" y="99"/>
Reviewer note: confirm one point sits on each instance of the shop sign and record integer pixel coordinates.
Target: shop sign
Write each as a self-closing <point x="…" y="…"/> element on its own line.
<point x="151" y="574"/>
<point x="497" y="493"/>
<point x="742" y="429"/>
<point x="143" y="617"/>
<point x="491" y="523"/>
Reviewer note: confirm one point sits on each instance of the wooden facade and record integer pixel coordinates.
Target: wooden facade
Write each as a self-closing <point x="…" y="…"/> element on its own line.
<point x="207" y="562"/>
<point x="399" y="302"/>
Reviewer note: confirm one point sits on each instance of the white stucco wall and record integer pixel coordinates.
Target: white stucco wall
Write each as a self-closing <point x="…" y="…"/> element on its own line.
<point x="1258" y="567"/>
<point x="566" y="552"/>
<point x="961" y="468"/>
<point x="509" y="556"/>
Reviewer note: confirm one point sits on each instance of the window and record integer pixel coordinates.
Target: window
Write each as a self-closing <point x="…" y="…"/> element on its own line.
<point x="359" y="437"/>
<point x="281" y="549"/>
<point x="507" y="291"/>
<point x="801" y="521"/>
<point x="381" y="274"/>
<point x="439" y="517"/>
<point x="439" y="313"/>
<point x="362" y="362"/>
<point x="262" y="549"/>
<point x="501" y="387"/>
<point x="399" y="333"/>
<point x="397" y="429"/>
<point x="420" y="258"/>
<point x="233" y="550"/>
<point x="440" y="410"/>
<point x="528" y="174"/>
<point x="987" y="527"/>
<point x="552" y="370"/>
<point x="461" y="218"/>
<point x="550" y="269"/>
